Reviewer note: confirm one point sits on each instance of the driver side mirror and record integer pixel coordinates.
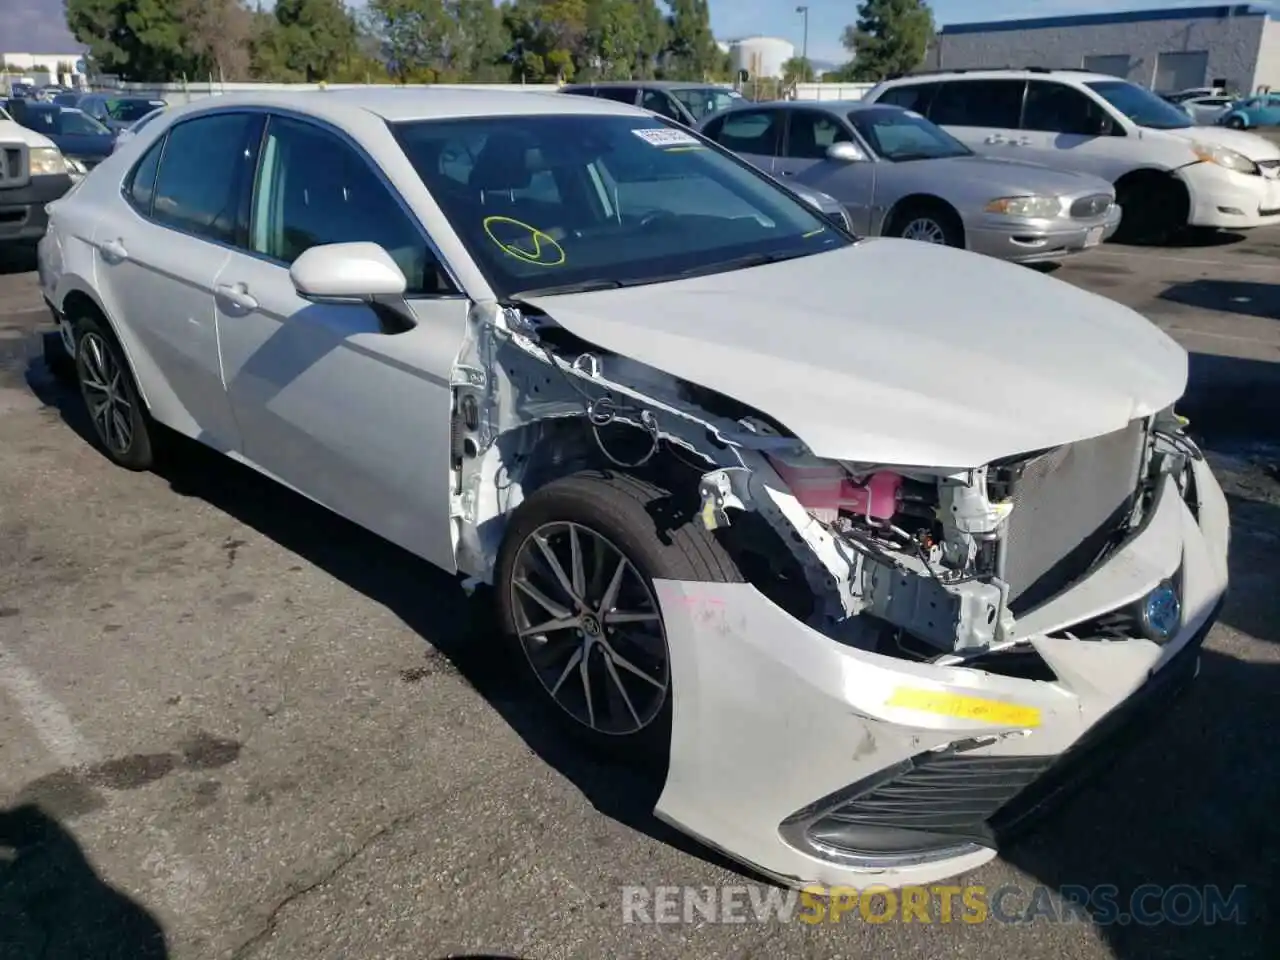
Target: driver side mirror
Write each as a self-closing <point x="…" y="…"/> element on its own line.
<point x="846" y="152"/>
<point x="359" y="272"/>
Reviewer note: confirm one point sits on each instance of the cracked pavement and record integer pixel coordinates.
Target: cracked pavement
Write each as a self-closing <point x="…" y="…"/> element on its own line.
<point x="234" y="726"/>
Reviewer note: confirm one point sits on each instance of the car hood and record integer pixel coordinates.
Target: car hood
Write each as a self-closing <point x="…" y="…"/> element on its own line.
<point x="1250" y="144"/>
<point x="896" y="352"/>
<point x="1020" y="176"/>
<point x="13" y="132"/>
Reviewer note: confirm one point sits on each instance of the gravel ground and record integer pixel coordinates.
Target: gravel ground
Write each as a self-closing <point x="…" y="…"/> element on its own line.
<point x="232" y="725"/>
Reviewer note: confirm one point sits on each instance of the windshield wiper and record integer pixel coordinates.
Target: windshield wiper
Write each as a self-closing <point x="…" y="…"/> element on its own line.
<point x="583" y="286"/>
<point x="740" y="263"/>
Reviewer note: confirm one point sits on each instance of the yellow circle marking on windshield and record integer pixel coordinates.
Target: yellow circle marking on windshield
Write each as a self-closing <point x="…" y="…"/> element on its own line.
<point x="538" y="248"/>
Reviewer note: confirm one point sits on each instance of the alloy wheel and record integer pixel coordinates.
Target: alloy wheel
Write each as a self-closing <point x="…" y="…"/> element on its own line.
<point x="925" y="230"/>
<point x="590" y="627"/>
<point x="102" y="383"/>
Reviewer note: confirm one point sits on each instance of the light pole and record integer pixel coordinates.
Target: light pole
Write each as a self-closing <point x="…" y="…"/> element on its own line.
<point x="804" y="50"/>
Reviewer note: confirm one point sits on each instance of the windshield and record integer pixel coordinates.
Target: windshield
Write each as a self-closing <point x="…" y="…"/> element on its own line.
<point x="80" y="124"/>
<point x="705" y="101"/>
<point x="127" y="111"/>
<point x="1141" y="105"/>
<point x="562" y="200"/>
<point x="902" y="135"/>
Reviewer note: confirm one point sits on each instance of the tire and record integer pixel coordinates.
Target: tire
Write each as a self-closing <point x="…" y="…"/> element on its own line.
<point x="1154" y="209"/>
<point x="660" y="538"/>
<point x="98" y="357"/>
<point x="922" y="221"/>
<point x="1235" y="123"/>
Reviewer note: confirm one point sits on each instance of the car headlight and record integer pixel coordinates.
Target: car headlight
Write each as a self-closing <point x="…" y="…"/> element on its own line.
<point x="1037" y="207"/>
<point x="1225" y="157"/>
<point x="46" y="161"/>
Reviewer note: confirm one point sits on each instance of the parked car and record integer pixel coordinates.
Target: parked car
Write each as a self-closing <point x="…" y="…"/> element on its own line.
<point x="1168" y="173"/>
<point x="685" y="103"/>
<point x="1262" y="110"/>
<point x="117" y="111"/>
<point x="33" y="173"/>
<point x="828" y="529"/>
<point x="69" y="98"/>
<point x="127" y="134"/>
<point x="82" y="140"/>
<point x="899" y="175"/>
<point x="1205" y="111"/>
<point x="1193" y="93"/>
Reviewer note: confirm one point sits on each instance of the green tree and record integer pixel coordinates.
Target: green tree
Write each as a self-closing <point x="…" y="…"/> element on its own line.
<point x="797" y="70"/>
<point x="307" y="40"/>
<point x="890" y="37"/>
<point x="692" y="53"/>
<point x="652" y="38"/>
<point x="133" y="39"/>
<point x="433" y="40"/>
<point x="216" y="33"/>
<point x="548" y="38"/>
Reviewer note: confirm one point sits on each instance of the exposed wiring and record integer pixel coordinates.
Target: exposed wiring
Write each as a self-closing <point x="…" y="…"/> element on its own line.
<point x="1181" y="444"/>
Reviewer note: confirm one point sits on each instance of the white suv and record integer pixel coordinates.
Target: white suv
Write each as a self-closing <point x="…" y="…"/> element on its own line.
<point x="1169" y="173"/>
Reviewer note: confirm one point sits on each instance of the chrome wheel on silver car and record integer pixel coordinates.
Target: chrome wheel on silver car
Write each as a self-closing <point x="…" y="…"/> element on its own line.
<point x="119" y="421"/>
<point x="590" y="628"/>
<point x="925" y="230"/>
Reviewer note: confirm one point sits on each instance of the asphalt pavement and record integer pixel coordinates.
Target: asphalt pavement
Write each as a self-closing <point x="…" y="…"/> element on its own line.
<point x="233" y="725"/>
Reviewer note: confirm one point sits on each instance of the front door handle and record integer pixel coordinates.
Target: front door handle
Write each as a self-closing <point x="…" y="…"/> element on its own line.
<point x="113" y="251"/>
<point x="237" y="296"/>
<point x="995" y="138"/>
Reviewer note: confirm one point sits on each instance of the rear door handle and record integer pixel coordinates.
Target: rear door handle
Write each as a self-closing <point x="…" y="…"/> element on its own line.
<point x="113" y="251"/>
<point x="995" y="138"/>
<point x="237" y="295"/>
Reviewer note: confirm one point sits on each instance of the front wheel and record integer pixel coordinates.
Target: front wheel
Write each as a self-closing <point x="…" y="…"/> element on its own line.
<point x="1235" y="123"/>
<point x="927" y="224"/>
<point x="579" y="611"/>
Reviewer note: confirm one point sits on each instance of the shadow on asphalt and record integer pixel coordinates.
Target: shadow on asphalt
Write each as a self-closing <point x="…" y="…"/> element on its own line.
<point x="1191" y="801"/>
<point x="53" y="903"/>
<point x="1192" y="238"/>
<point x="1228" y="296"/>
<point x="19" y="258"/>
<point x="1229" y="399"/>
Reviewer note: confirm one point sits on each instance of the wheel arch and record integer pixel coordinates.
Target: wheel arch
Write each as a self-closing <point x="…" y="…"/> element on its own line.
<point x="76" y="298"/>
<point x="923" y="201"/>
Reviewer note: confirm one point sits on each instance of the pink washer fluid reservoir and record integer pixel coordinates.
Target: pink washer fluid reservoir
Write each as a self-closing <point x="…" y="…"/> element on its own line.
<point x="826" y="489"/>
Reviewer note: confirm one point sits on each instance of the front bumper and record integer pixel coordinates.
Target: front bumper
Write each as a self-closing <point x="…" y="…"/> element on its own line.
<point x="817" y="763"/>
<point x="1038" y="241"/>
<point x="22" y="213"/>
<point x="1223" y="199"/>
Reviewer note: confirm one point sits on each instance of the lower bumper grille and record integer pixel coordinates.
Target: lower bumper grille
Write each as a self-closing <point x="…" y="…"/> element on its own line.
<point x="1067" y="504"/>
<point x="939" y="804"/>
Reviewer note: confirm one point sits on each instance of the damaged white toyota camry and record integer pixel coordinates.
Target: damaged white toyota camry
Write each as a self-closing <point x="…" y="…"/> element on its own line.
<point x="868" y="541"/>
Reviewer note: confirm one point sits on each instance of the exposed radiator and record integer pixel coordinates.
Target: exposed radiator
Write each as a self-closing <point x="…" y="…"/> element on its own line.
<point x="1068" y="503"/>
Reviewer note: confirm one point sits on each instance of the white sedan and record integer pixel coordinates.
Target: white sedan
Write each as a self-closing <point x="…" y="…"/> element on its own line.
<point x="862" y="541"/>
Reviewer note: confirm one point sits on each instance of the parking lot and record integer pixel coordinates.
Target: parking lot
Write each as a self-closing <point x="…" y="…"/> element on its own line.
<point x="230" y="717"/>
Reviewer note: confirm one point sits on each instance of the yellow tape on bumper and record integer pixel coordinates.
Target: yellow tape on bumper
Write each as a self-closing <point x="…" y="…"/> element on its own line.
<point x="965" y="708"/>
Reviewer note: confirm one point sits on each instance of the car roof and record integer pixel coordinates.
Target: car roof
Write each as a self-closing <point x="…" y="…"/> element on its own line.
<point x="403" y="104"/>
<point x="828" y="106"/>
<point x="1002" y="73"/>
<point x="651" y="84"/>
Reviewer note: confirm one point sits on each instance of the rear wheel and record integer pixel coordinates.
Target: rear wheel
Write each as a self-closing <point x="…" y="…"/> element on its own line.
<point x="579" y="611"/>
<point x="122" y="425"/>
<point x="1235" y="123"/>
<point x="928" y="223"/>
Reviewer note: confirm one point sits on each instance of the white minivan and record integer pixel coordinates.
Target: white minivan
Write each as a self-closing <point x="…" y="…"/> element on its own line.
<point x="1168" y="172"/>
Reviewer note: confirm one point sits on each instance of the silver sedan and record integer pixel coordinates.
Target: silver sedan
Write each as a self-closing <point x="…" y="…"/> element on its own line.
<point x="897" y="174"/>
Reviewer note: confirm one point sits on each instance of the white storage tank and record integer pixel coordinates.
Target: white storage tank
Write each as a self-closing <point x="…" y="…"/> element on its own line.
<point x="761" y="56"/>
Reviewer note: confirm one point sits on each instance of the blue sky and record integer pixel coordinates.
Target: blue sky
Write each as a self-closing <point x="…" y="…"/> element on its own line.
<point x="828" y="18"/>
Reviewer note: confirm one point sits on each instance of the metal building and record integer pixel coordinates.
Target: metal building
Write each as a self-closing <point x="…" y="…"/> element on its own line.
<point x="1166" y="50"/>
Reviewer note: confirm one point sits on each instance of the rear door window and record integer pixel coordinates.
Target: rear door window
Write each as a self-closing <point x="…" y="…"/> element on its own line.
<point x="911" y="96"/>
<point x="757" y="132"/>
<point x="978" y="103"/>
<point x="205" y="174"/>
<point x="1057" y="108"/>
<point x="811" y="132"/>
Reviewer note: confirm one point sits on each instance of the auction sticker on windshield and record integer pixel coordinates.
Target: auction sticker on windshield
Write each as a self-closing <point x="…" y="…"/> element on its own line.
<point x="664" y="137"/>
